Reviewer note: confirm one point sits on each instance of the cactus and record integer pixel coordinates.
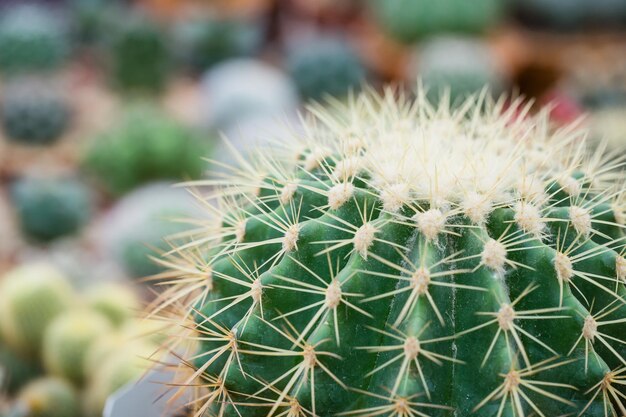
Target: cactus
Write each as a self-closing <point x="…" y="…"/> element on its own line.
<point x="31" y="40"/>
<point x="461" y="66"/>
<point x="49" y="208"/>
<point x="117" y="370"/>
<point x="146" y="145"/>
<point x="325" y="66"/>
<point x="139" y="55"/>
<point x="67" y="340"/>
<point x="34" y="113"/>
<point x="117" y="302"/>
<point x="410" y="20"/>
<point x="15" y="371"/>
<point x="48" y="397"/>
<point x="201" y="42"/>
<point x="31" y="296"/>
<point x="413" y="259"/>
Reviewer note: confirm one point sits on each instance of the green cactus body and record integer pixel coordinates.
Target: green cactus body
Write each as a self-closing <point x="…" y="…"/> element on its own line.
<point x="202" y="42"/>
<point x="117" y="370"/>
<point x="15" y="371"/>
<point x="31" y="40"/>
<point x="48" y="397"/>
<point x="410" y="20"/>
<point x="326" y="66"/>
<point x="49" y="208"/>
<point x="414" y="260"/>
<point x="34" y="113"/>
<point x="117" y="302"/>
<point x="139" y="55"/>
<point x="31" y="296"/>
<point x="147" y="145"/>
<point x="67" y="341"/>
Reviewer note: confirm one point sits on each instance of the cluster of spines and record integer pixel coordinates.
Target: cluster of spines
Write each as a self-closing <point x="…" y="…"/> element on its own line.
<point x="335" y="205"/>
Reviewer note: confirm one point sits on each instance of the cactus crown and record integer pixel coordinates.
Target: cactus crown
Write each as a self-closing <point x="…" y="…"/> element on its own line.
<point x="409" y="259"/>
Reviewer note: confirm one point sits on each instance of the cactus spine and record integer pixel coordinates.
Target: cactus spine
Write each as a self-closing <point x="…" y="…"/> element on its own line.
<point x="412" y="260"/>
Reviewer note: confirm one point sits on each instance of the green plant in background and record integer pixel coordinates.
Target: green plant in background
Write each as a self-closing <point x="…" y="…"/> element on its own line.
<point x="135" y="229"/>
<point x="48" y="397"/>
<point x="34" y="112"/>
<point x="201" y="42"/>
<point x="326" y="66"/>
<point x="459" y="67"/>
<point x="31" y="296"/>
<point x="570" y="15"/>
<point x="139" y="55"/>
<point x="145" y="145"/>
<point x="410" y="20"/>
<point x="117" y="302"/>
<point x="410" y="259"/>
<point x="31" y="40"/>
<point x="91" y="18"/>
<point x="15" y="371"/>
<point x="67" y="340"/>
<point x="49" y="208"/>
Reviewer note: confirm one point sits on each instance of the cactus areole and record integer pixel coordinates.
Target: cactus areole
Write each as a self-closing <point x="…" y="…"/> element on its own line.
<point x="402" y="258"/>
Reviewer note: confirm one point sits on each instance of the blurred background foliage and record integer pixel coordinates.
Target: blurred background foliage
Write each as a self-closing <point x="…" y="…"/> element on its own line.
<point x="104" y="104"/>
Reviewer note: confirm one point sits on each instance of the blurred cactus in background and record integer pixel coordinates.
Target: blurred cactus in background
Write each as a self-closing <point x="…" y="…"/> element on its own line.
<point x="572" y="14"/>
<point x="31" y="296"/>
<point x="238" y="89"/>
<point x="201" y="42"/>
<point x="460" y="66"/>
<point x="32" y="39"/>
<point x="16" y="371"/>
<point x="324" y="66"/>
<point x="34" y="112"/>
<point x="48" y="397"/>
<point x="145" y="144"/>
<point x="49" y="208"/>
<point x="136" y="228"/>
<point x="410" y="20"/>
<point x="140" y="57"/>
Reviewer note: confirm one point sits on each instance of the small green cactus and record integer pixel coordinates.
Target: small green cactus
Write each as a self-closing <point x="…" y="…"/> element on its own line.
<point x="34" y="113"/>
<point x="15" y="371"/>
<point x="31" y="296"/>
<point x="201" y="42"/>
<point x="326" y="66"/>
<point x="31" y="40"/>
<point x="117" y="370"/>
<point x="117" y="302"/>
<point x="146" y="145"/>
<point x="67" y="340"/>
<point x="48" y="397"/>
<point x="49" y="208"/>
<point x="410" y="20"/>
<point x="139" y="55"/>
<point x="411" y="259"/>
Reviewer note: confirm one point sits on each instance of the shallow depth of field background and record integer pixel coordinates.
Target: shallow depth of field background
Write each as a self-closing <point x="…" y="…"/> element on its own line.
<point x="105" y="104"/>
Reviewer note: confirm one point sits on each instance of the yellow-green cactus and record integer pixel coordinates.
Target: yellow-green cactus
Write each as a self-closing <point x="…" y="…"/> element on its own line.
<point x="31" y="296"/>
<point x="67" y="341"/>
<point x="48" y="397"/>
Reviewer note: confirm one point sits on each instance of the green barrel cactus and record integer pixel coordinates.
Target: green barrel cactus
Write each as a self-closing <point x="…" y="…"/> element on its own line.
<point x="32" y="39"/>
<point x="115" y="301"/>
<point x="34" y="113"/>
<point x="410" y="20"/>
<point x="201" y="42"/>
<point x="139" y="56"/>
<point x="67" y="340"/>
<point x="410" y="259"/>
<point x="31" y="296"/>
<point x="15" y="371"/>
<point x="50" y="208"/>
<point x="48" y="397"/>
<point x="145" y="145"/>
<point x="325" y="66"/>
